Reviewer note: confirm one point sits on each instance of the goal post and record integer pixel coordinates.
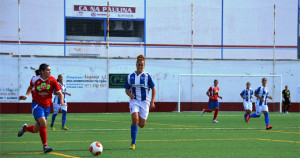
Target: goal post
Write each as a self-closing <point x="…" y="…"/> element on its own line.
<point x="192" y="90"/>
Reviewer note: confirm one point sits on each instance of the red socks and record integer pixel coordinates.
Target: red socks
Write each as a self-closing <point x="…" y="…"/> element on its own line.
<point x="29" y="128"/>
<point x="207" y="110"/>
<point x="216" y="114"/>
<point x="43" y="135"/>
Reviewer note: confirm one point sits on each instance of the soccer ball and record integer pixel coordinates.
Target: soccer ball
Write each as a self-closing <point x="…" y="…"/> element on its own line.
<point x="96" y="148"/>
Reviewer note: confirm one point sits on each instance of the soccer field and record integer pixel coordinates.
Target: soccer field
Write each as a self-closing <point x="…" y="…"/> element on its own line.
<point x="186" y="134"/>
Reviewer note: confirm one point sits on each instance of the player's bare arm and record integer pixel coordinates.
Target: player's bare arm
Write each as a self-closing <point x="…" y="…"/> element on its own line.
<point x="152" y="105"/>
<point x="220" y="97"/>
<point x="67" y="93"/>
<point x="269" y="97"/>
<point x="129" y="94"/>
<point x="61" y="98"/>
<point x="208" y="94"/>
<point x="22" y="97"/>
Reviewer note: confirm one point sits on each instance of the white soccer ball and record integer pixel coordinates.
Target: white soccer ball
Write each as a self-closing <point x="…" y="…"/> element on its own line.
<point x="96" y="148"/>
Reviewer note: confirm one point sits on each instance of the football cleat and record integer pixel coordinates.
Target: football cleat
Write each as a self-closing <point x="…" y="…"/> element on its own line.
<point x="21" y="132"/>
<point x="215" y="121"/>
<point x="268" y="127"/>
<point x="52" y="128"/>
<point x="132" y="146"/>
<point x="202" y="112"/>
<point x="47" y="149"/>
<point x="248" y="118"/>
<point x="64" y="128"/>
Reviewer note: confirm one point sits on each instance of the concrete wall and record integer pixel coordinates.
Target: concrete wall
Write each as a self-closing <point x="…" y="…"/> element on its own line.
<point x="17" y="72"/>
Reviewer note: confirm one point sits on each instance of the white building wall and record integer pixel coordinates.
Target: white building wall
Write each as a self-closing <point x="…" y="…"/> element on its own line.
<point x="248" y="23"/>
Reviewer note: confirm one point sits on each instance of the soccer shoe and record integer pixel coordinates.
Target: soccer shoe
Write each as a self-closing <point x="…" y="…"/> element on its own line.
<point x="47" y="149"/>
<point x="52" y="128"/>
<point x="132" y="146"/>
<point x="215" y="121"/>
<point x="268" y="127"/>
<point x="21" y="132"/>
<point x="202" y="112"/>
<point x="247" y="118"/>
<point x="64" y="128"/>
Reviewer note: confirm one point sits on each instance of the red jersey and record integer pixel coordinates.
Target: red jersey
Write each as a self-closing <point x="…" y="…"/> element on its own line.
<point x="214" y="92"/>
<point x="43" y="89"/>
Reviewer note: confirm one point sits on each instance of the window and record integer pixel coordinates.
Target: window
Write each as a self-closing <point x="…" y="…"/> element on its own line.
<point x="95" y="30"/>
<point x="84" y="29"/>
<point x="130" y="31"/>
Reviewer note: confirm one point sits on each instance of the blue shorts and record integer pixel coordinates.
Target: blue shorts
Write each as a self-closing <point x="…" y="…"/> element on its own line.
<point x="39" y="111"/>
<point x="213" y="104"/>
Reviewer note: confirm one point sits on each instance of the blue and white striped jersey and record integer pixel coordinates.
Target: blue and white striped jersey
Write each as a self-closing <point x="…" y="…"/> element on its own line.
<point x="56" y="98"/>
<point x="139" y="85"/>
<point x="263" y="93"/>
<point x="247" y="93"/>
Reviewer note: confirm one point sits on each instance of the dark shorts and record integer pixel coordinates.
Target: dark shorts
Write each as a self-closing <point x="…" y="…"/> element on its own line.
<point x="213" y="104"/>
<point x="39" y="111"/>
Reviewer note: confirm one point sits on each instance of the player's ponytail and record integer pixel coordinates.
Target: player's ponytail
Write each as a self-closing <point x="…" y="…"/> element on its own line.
<point x="140" y="58"/>
<point x="37" y="72"/>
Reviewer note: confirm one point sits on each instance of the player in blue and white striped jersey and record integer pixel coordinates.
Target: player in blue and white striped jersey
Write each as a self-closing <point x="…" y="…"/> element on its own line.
<point x="56" y="104"/>
<point x="137" y="87"/>
<point x="247" y="95"/>
<point x="261" y="105"/>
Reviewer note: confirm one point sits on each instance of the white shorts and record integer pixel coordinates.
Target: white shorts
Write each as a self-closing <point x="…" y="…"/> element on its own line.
<point x="142" y="107"/>
<point x="247" y="105"/>
<point x="56" y="108"/>
<point x="261" y="108"/>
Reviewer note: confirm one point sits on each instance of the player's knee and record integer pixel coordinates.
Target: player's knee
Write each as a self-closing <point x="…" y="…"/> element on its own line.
<point x="35" y="130"/>
<point x="141" y="125"/>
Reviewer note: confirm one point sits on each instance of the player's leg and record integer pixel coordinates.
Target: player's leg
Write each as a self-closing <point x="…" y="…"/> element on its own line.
<point x="64" y="117"/>
<point x="143" y="114"/>
<point x="267" y="120"/>
<point x="216" y="106"/>
<point x="134" y="128"/>
<point x="250" y="111"/>
<point x="32" y="128"/>
<point x="56" y="108"/>
<point x="41" y="118"/>
<point x="246" y="110"/>
<point x="134" y="112"/>
<point x="284" y="107"/>
<point x="257" y="113"/>
<point x="288" y="107"/>
<point x="210" y="108"/>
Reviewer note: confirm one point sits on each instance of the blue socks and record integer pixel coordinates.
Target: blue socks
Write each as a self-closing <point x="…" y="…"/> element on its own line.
<point x="64" y="117"/>
<point x="254" y="115"/>
<point x="133" y="133"/>
<point x="267" y="118"/>
<point x="53" y="119"/>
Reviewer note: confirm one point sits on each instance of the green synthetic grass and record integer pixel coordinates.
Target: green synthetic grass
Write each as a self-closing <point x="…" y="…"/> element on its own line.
<point x="184" y="134"/>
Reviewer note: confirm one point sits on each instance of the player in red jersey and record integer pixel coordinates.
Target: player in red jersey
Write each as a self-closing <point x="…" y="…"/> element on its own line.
<point x="42" y="87"/>
<point x="213" y="104"/>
